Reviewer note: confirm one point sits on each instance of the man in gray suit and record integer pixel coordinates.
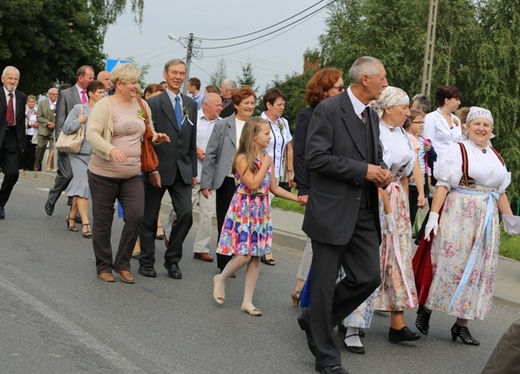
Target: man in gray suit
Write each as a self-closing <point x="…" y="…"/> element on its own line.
<point x="174" y="114"/>
<point x="344" y="157"/>
<point x="46" y="116"/>
<point x="67" y="98"/>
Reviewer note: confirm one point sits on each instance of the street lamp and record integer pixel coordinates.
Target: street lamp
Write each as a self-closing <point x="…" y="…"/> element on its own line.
<point x="188" y="44"/>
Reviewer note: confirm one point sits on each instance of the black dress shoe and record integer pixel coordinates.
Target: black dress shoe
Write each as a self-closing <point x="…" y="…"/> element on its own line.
<point x="173" y="270"/>
<point x="403" y="335"/>
<point x="2" y="212"/>
<point x="357" y="349"/>
<point x="338" y="369"/>
<point x="147" y="271"/>
<point x="305" y="327"/>
<point x="49" y="208"/>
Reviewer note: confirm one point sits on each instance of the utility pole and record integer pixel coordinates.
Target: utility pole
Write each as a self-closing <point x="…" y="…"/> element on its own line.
<point x="429" y="49"/>
<point x="189" y="55"/>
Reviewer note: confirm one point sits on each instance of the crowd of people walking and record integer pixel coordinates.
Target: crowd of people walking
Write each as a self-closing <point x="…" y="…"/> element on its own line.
<point x="373" y="167"/>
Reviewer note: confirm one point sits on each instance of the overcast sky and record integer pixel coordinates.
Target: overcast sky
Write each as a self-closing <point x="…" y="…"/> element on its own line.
<point x="276" y="55"/>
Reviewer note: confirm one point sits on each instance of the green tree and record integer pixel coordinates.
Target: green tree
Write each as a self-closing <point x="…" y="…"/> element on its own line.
<point x="247" y="78"/>
<point x="47" y="40"/>
<point x="219" y="74"/>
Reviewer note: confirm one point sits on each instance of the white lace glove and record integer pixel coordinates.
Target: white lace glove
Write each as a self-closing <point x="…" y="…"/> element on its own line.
<point x="389" y="225"/>
<point x="432" y="225"/>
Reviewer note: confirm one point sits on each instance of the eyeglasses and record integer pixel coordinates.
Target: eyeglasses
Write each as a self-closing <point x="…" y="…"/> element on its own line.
<point x="418" y="122"/>
<point x="340" y="88"/>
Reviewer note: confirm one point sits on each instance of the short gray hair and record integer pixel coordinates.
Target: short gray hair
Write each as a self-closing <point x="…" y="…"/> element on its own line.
<point x="173" y="61"/>
<point x="10" y="68"/>
<point x="423" y="102"/>
<point x="229" y="84"/>
<point x="364" y="65"/>
<point x="52" y="89"/>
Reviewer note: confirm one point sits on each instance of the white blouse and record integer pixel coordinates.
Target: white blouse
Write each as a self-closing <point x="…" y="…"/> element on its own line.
<point x="280" y="136"/>
<point x="437" y="129"/>
<point x="398" y="152"/>
<point x="485" y="168"/>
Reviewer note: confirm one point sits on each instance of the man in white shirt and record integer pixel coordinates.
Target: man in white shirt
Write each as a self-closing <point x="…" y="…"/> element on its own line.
<point x="193" y="87"/>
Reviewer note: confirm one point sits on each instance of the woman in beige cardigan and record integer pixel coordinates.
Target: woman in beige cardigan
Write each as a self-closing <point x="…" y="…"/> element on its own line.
<point x="115" y="132"/>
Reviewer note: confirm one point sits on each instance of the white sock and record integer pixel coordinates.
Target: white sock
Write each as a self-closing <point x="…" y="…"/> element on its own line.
<point x="352" y="337"/>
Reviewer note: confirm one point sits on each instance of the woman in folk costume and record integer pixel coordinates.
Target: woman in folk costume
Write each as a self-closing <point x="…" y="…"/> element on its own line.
<point x="471" y="183"/>
<point x="397" y="291"/>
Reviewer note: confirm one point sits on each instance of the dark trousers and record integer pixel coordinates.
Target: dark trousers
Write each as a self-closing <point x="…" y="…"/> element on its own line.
<point x="413" y="197"/>
<point x="331" y="302"/>
<point x="224" y="195"/>
<point x="180" y="194"/>
<point x="10" y="159"/>
<point x="29" y="155"/>
<point x="62" y="179"/>
<point x="104" y="192"/>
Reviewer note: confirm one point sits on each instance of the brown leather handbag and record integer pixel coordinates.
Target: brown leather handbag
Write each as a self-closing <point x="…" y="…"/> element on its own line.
<point x="149" y="159"/>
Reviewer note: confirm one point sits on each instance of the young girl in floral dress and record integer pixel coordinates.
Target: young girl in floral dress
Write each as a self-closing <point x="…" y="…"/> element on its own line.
<point x="247" y="229"/>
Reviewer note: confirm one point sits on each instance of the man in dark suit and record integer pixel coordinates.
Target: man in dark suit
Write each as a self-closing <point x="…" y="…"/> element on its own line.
<point x="67" y="98"/>
<point x="12" y="132"/>
<point x="344" y="157"/>
<point x="227" y="87"/>
<point x="174" y="114"/>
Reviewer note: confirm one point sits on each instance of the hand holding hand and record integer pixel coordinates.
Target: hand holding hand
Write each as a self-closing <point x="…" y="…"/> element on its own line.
<point x="155" y="180"/>
<point x="432" y="225"/>
<point x="389" y="223"/>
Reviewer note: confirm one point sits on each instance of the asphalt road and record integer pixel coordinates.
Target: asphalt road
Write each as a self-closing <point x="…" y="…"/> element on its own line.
<point x="56" y="317"/>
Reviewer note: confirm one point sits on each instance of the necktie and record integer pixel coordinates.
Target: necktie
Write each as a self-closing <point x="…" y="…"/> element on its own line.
<point x="178" y="112"/>
<point x="9" y="116"/>
<point x="83" y="96"/>
<point x="364" y="115"/>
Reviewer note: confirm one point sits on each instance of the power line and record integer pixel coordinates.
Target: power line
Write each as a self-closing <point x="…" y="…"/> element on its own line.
<point x="270" y="33"/>
<point x="265" y="28"/>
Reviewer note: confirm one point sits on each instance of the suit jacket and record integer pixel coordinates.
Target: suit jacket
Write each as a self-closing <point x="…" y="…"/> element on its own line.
<point x="66" y="101"/>
<point x="19" y="121"/>
<point x="45" y="115"/>
<point x="338" y="170"/>
<point x="228" y="110"/>
<point x="219" y="153"/>
<point x="181" y="153"/>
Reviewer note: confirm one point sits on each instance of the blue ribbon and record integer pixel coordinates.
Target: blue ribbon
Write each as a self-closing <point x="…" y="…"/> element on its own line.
<point x="488" y="219"/>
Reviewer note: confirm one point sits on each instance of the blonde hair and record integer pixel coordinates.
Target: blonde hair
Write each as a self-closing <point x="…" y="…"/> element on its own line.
<point x="124" y="73"/>
<point x="246" y="146"/>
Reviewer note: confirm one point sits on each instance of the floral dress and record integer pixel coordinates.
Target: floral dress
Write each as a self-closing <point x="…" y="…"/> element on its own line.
<point x="397" y="291"/>
<point x="247" y="228"/>
<point x="464" y="252"/>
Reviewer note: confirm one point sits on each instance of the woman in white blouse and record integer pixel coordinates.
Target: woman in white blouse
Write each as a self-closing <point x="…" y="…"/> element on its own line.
<point x="280" y="147"/>
<point x="441" y="126"/>
<point x="397" y="292"/>
<point x="465" y="247"/>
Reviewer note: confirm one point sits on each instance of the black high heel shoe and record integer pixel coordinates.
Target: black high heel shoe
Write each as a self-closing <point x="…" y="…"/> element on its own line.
<point x="423" y="320"/>
<point x="463" y="333"/>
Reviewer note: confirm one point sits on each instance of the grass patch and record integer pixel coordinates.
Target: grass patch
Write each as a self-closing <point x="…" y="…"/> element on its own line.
<point x="288" y="205"/>
<point x="509" y="245"/>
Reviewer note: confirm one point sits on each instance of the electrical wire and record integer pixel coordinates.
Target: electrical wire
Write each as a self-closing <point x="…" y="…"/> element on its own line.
<point x="270" y="33"/>
<point x="265" y="28"/>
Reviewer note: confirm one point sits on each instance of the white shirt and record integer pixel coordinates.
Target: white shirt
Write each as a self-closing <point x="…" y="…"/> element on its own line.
<point x="359" y="107"/>
<point x="398" y="152"/>
<point x="485" y="168"/>
<point x="204" y="129"/>
<point x="281" y="135"/>
<point x="437" y="129"/>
